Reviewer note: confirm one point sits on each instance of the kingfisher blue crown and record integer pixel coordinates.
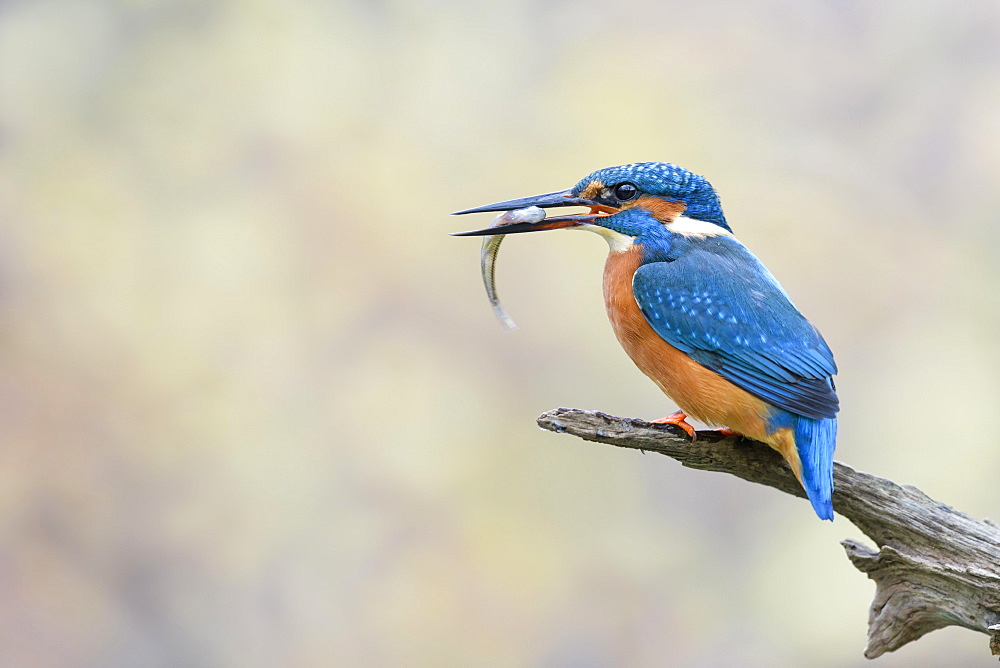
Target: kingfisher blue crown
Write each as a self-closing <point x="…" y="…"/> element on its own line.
<point x="665" y="180"/>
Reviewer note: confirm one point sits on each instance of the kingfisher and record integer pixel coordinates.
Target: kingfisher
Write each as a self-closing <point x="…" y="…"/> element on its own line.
<point x="701" y="316"/>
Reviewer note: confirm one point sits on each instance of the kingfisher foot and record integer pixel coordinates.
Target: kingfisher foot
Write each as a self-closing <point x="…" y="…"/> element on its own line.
<point x="679" y="419"/>
<point x="729" y="433"/>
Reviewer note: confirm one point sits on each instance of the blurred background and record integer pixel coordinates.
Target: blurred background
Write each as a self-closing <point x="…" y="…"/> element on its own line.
<point x="255" y="409"/>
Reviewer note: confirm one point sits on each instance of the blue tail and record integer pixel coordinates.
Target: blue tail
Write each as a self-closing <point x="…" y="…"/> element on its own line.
<point x="815" y="440"/>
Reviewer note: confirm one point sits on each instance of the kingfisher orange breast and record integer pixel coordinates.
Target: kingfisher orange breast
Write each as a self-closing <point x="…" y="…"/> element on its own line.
<point x="699" y="392"/>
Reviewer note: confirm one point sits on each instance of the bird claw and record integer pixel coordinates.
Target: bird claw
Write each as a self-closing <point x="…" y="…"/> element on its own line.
<point x="679" y="419"/>
<point x="729" y="433"/>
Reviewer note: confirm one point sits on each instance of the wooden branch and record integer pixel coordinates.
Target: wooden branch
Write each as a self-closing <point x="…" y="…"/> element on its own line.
<point x="934" y="567"/>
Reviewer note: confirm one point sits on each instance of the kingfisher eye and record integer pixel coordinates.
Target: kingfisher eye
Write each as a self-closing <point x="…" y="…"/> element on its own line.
<point x="626" y="191"/>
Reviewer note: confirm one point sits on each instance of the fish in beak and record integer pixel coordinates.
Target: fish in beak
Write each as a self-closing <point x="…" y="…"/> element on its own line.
<point x="546" y="201"/>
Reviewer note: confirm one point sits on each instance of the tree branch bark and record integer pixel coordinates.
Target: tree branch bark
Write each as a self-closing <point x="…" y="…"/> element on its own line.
<point x="934" y="567"/>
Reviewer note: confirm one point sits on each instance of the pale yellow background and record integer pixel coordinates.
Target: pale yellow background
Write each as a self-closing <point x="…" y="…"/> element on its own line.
<point x="255" y="410"/>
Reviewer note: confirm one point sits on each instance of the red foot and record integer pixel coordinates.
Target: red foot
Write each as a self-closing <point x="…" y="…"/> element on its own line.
<point x="678" y="419"/>
<point x="730" y="433"/>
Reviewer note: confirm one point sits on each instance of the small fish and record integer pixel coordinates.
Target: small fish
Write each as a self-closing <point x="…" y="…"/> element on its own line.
<point x="488" y="258"/>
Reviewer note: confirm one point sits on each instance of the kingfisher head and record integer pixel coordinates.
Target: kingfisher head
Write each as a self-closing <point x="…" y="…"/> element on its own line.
<point x="642" y="200"/>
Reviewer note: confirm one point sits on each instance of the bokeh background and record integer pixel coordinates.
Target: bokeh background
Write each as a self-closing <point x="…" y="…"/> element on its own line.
<point x="255" y="410"/>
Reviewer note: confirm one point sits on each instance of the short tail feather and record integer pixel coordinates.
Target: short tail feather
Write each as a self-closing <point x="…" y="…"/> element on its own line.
<point x="815" y="441"/>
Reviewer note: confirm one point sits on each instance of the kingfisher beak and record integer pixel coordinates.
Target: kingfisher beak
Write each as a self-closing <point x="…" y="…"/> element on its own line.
<point x="558" y="223"/>
<point x="546" y="201"/>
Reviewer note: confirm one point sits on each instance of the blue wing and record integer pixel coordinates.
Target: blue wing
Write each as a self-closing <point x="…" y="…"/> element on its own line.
<point x="717" y="303"/>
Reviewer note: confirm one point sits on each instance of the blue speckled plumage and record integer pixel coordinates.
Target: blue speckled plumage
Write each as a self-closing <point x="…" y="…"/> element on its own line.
<point x="717" y="303"/>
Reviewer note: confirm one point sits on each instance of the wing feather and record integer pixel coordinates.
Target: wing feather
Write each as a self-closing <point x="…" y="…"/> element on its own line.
<point x="720" y="305"/>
